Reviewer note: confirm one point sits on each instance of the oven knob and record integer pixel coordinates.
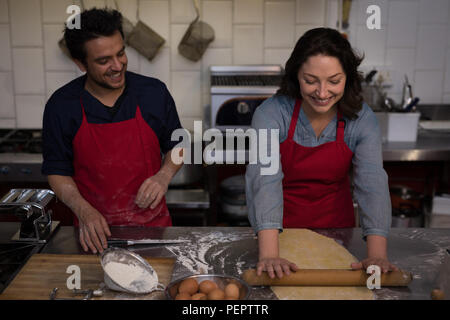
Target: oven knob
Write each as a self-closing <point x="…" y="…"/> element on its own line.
<point x="243" y="107"/>
<point x="25" y="170"/>
<point x="5" y="169"/>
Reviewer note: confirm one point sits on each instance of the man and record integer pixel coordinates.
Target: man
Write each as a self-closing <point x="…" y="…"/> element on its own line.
<point x="103" y="135"/>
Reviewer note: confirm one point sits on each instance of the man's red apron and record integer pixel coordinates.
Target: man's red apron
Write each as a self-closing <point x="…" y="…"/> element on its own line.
<point x="111" y="161"/>
<point x="316" y="185"/>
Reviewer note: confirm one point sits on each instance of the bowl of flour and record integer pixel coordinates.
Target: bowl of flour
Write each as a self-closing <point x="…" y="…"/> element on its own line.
<point x="126" y="271"/>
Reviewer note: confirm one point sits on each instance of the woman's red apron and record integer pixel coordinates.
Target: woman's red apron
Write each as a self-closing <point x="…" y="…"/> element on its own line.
<point x="316" y="185"/>
<point x="111" y="161"/>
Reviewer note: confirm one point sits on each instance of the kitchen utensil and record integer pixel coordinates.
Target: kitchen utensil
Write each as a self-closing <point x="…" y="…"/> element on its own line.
<point x="141" y="37"/>
<point x="406" y="216"/>
<point x="88" y="294"/>
<point x="389" y="104"/>
<point x="441" y="287"/>
<point x="326" y="277"/>
<point x="145" y="40"/>
<point x="232" y="197"/>
<point x="411" y="107"/>
<point x="43" y="272"/>
<point x="369" y="76"/>
<point x="125" y="242"/>
<point x="401" y="194"/>
<point x="31" y="207"/>
<point x="196" y="39"/>
<point x="407" y="207"/>
<point x="221" y="280"/>
<point x="126" y="257"/>
<point x="407" y="95"/>
<point x="373" y="93"/>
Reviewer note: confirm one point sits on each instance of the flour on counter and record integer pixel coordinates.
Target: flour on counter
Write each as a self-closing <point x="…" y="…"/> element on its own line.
<point x="130" y="276"/>
<point x="193" y="256"/>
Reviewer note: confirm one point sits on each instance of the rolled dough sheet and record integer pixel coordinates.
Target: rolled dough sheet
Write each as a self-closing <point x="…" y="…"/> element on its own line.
<point x="310" y="250"/>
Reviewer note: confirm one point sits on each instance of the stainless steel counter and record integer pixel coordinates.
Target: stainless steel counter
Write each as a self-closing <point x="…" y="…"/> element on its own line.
<point x="187" y="198"/>
<point x="230" y="250"/>
<point x="430" y="146"/>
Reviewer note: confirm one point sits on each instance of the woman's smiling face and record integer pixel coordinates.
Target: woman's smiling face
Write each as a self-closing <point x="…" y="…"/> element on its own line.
<point x="322" y="83"/>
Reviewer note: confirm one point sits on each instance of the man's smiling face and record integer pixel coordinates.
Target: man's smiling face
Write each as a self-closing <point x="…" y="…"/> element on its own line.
<point x="106" y="61"/>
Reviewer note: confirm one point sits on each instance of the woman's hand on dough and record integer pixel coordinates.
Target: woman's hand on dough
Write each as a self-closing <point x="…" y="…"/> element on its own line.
<point x="275" y="266"/>
<point x="383" y="263"/>
<point x="152" y="191"/>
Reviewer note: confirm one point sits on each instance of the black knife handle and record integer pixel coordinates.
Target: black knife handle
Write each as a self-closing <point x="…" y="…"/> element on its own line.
<point x="117" y="242"/>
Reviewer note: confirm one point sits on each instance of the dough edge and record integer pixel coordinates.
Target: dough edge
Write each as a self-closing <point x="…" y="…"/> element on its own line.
<point x="311" y="250"/>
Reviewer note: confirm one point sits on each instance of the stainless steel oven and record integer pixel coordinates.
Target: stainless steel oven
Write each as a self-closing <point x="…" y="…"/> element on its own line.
<point x="236" y="92"/>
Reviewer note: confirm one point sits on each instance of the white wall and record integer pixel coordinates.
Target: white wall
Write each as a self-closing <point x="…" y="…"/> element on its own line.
<point x="414" y="39"/>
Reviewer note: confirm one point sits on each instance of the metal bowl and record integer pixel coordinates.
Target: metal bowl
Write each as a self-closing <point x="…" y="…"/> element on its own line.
<point x="221" y="280"/>
<point x="127" y="257"/>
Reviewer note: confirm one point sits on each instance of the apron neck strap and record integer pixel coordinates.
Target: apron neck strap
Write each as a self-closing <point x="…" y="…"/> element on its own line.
<point x="82" y="108"/>
<point x="294" y="118"/>
<point x="340" y="127"/>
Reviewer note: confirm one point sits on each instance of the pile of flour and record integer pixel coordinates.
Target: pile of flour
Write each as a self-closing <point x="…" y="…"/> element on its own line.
<point x="131" y="277"/>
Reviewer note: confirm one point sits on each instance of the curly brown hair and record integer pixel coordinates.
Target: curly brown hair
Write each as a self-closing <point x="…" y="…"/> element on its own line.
<point x="327" y="42"/>
<point x="95" y="23"/>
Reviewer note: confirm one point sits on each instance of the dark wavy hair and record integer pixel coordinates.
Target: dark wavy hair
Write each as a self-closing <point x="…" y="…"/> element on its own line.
<point x="327" y="42"/>
<point x="94" y="23"/>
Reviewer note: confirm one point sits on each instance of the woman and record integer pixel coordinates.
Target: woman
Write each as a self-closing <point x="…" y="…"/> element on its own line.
<point x="325" y="130"/>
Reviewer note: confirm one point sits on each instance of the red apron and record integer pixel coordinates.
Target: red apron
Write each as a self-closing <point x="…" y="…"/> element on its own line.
<point x="111" y="161"/>
<point x="316" y="185"/>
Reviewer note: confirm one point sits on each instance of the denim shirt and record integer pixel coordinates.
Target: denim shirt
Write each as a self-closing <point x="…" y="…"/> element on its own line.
<point x="264" y="193"/>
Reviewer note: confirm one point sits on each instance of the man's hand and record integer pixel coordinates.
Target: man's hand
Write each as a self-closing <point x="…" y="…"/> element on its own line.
<point x="94" y="230"/>
<point x="152" y="190"/>
<point x="93" y="226"/>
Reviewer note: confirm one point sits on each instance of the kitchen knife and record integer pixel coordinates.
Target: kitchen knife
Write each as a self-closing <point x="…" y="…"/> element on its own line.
<point x="125" y="242"/>
<point x="326" y="277"/>
<point x="441" y="288"/>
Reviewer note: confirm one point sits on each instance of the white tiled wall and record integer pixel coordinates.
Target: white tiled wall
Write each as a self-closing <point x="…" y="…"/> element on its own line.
<point x="5" y="49"/>
<point x="414" y="40"/>
<point x="218" y="14"/>
<point x="28" y="70"/>
<point x="4" y="11"/>
<point x="6" y="96"/>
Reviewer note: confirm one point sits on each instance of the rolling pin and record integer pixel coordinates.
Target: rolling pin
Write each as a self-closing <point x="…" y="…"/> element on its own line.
<point x="326" y="277"/>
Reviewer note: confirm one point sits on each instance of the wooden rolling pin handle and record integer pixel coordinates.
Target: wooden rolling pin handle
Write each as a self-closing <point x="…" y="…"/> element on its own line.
<point x="326" y="277"/>
<point x="437" y="294"/>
